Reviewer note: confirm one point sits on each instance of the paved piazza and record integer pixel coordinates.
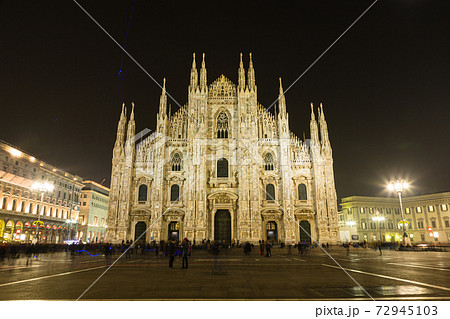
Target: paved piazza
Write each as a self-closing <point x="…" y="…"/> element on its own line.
<point x="232" y="275"/>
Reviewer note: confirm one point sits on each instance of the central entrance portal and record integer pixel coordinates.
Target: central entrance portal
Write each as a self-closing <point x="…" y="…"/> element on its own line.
<point x="174" y="230"/>
<point x="222" y="226"/>
<point x="272" y="234"/>
<point x="305" y="232"/>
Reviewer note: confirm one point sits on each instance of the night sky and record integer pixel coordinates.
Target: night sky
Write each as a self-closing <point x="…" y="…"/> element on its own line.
<point x="384" y="85"/>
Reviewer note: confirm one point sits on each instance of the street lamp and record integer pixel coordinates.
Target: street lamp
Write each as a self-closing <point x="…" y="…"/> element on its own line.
<point x="399" y="186"/>
<point x="379" y="219"/>
<point x="43" y="187"/>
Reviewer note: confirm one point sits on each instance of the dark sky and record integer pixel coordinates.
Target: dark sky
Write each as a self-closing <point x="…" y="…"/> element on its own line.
<point x="384" y="85"/>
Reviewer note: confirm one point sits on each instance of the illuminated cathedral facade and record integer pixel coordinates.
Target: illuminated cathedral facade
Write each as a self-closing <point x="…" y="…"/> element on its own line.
<point x="223" y="168"/>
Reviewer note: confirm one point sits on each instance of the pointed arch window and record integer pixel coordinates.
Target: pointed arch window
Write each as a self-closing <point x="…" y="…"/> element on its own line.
<point x="222" y="125"/>
<point x="302" y="194"/>
<point x="222" y="167"/>
<point x="176" y="162"/>
<point x="268" y="162"/>
<point x="270" y="192"/>
<point x="143" y="190"/>
<point x="174" y="193"/>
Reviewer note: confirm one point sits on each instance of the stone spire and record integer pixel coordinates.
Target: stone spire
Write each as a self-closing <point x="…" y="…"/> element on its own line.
<point x="163" y="99"/>
<point x="194" y="75"/>
<point x="251" y="75"/>
<point x="131" y="124"/>
<point x="281" y="101"/>
<point x="323" y="129"/>
<point x="313" y="126"/>
<point x="121" y="129"/>
<point x="203" y="81"/>
<point x="241" y="75"/>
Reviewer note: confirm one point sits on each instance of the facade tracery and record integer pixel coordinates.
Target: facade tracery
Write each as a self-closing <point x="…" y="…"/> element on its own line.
<point x="241" y="174"/>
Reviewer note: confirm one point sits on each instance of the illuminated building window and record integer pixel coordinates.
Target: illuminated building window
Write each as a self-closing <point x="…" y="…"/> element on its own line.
<point x="444" y="207"/>
<point x="373" y="225"/>
<point x="95" y="221"/>
<point x="419" y="209"/>
<point x="407" y="211"/>
<point x="361" y="209"/>
<point x="363" y="225"/>
<point x="431" y="208"/>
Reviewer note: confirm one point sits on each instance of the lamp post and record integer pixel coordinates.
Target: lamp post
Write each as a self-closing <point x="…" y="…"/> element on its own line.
<point x="379" y="219"/>
<point x="399" y="186"/>
<point x="42" y="187"/>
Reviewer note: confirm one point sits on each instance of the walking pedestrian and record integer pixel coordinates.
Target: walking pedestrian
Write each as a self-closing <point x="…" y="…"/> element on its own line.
<point x="268" y="250"/>
<point x="171" y="252"/>
<point x="261" y="247"/>
<point x="186" y="250"/>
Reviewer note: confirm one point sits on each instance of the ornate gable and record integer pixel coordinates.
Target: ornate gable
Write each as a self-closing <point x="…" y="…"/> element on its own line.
<point x="222" y="89"/>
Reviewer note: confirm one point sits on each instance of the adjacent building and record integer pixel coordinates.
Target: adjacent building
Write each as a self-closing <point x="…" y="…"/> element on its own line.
<point x="223" y="168"/>
<point x="93" y="212"/>
<point x="20" y="205"/>
<point x="427" y="218"/>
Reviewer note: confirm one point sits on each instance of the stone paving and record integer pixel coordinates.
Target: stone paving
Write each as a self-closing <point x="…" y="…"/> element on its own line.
<point x="233" y="276"/>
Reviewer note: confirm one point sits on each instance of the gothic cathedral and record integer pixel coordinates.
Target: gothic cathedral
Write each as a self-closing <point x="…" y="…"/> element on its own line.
<point x="223" y="168"/>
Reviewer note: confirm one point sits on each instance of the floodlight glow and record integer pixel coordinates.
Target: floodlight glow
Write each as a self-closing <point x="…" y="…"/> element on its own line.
<point x="15" y="153"/>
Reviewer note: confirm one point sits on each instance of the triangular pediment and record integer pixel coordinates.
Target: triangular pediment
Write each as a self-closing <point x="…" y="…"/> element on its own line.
<point x="222" y="88"/>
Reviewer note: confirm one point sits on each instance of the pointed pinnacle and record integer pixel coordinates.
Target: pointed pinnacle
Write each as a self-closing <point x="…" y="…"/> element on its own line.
<point x="251" y="61"/>
<point x="281" y="87"/>
<point x="193" y="60"/>
<point x="203" y="61"/>
<point x="241" y="64"/>
<point x="164" y="84"/>
<point x="312" y="112"/>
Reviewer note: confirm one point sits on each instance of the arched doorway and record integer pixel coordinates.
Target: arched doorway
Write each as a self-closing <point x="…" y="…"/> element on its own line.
<point x="139" y="229"/>
<point x="305" y="232"/>
<point x="271" y="232"/>
<point x="174" y="231"/>
<point x="222" y="226"/>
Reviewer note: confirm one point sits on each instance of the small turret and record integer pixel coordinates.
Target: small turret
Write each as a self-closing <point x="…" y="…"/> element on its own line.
<point x="281" y="101"/>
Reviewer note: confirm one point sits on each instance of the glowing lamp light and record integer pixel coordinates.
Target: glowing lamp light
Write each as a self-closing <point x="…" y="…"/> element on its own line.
<point x="32" y="159"/>
<point x="42" y="186"/>
<point x="398" y="186"/>
<point x="351" y="223"/>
